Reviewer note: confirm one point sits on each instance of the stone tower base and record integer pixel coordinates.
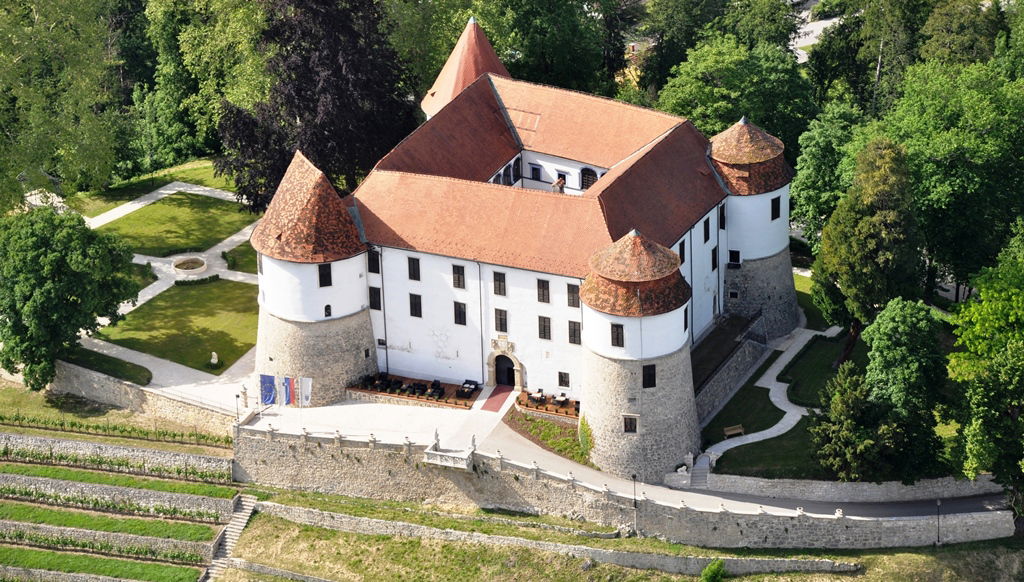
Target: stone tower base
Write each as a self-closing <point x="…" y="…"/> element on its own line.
<point x="335" y="353"/>
<point x="667" y="426"/>
<point x="764" y="285"/>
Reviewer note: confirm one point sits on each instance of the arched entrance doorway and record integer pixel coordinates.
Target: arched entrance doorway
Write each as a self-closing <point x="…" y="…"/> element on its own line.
<point x="504" y="371"/>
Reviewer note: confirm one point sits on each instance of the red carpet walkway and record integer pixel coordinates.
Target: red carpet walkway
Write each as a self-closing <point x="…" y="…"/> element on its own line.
<point x="497" y="398"/>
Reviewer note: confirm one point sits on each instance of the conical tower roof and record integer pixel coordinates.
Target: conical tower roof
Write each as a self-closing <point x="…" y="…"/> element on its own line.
<point x="745" y="143"/>
<point x="472" y="56"/>
<point x="634" y="277"/>
<point x="306" y="221"/>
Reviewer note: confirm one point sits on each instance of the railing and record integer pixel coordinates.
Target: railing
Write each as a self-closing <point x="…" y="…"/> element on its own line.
<point x="454" y="459"/>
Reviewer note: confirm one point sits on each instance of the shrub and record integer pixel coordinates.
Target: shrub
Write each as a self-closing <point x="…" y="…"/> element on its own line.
<point x="187" y="282"/>
<point x="713" y="572"/>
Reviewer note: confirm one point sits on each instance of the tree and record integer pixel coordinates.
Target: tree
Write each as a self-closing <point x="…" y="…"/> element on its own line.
<point x="722" y="80"/>
<point x="618" y="18"/>
<point x="845" y="432"/>
<point x="891" y="37"/>
<point x="57" y="276"/>
<point x="337" y="97"/>
<point x="819" y="185"/>
<point x="674" y="26"/>
<point x="961" y="32"/>
<point x="834" y="60"/>
<point x="753" y="22"/>
<point x="423" y="34"/>
<point x="869" y="247"/>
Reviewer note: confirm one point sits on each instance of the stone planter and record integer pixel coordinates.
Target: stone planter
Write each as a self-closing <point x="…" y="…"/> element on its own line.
<point x="189" y="266"/>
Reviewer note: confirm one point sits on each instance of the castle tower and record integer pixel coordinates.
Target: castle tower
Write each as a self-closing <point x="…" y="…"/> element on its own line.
<point x="759" y="277"/>
<point x="472" y="56"/>
<point x="314" y="319"/>
<point x="638" y="399"/>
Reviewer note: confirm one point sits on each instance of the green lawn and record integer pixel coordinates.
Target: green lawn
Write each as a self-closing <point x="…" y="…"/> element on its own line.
<point x="812" y="368"/>
<point x="109" y="365"/>
<point x="159" y="528"/>
<point x="143" y="275"/>
<point x="789" y="456"/>
<point x="750" y="406"/>
<point x="195" y="172"/>
<point x="185" y="323"/>
<point x="815" y="320"/>
<point x="242" y="258"/>
<point x="181" y="222"/>
<point x="118" y="479"/>
<point x="81" y="563"/>
<point x="557" y="437"/>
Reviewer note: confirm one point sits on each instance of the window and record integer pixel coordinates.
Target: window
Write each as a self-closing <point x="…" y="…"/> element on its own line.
<point x="618" y="335"/>
<point x="587" y="178"/>
<point x="776" y="207"/>
<point x="374" y="261"/>
<point x="496" y="179"/>
<point x="501" y="320"/>
<point x="629" y="424"/>
<point x="375" y="298"/>
<point x="574" y="332"/>
<point x="459" y="276"/>
<point x="499" y="283"/>
<point x="382" y="342"/>
<point x="544" y="327"/>
<point x="543" y="291"/>
<point x="686" y="318"/>
<point x="460" y="313"/>
<point x="734" y="294"/>
<point x="563" y="379"/>
<point x="721" y="217"/>
<point x="506" y="175"/>
<point x="327" y="310"/>
<point x="650" y="376"/>
<point x="414" y="269"/>
<point x="563" y="177"/>
<point x="682" y="251"/>
<point x="574" y="295"/>
<point x="517" y="169"/>
<point x="415" y="305"/>
<point x="734" y="256"/>
<point x="366" y="353"/>
<point x="714" y="258"/>
<point x="325" y="275"/>
<point x="707" y="229"/>
<point x="259" y="263"/>
<point x="535" y="172"/>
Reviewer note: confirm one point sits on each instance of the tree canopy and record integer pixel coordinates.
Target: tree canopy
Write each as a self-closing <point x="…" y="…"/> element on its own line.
<point x="674" y="27"/>
<point x="57" y="276"/>
<point x="753" y="22"/>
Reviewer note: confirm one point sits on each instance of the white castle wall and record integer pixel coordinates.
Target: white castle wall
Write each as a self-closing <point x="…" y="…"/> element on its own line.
<point x="292" y="291"/>
<point x="705" y="283"/>
<point x="750" y="227"/>
<point x="647" y="337"/>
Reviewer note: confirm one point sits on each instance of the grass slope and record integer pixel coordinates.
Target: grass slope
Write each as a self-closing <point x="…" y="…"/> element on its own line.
<point x="120" y="480"/>
<point x="110" y="365"/>
<point x="815" y="320"/>
<point x="811" y="369"/>
<point x="789" y="456"/>
<point x="181" y="222"/>
<point x="185" y="323"/>
<point x="80" y="563"/>
<point x="242" y="258"/>
<point x="159" y="528"/>
<point x="750" y="406"/>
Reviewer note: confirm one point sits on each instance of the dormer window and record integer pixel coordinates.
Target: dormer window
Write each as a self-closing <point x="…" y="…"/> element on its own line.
<point x="587" y="178"/>
<point x="535" y="174"/>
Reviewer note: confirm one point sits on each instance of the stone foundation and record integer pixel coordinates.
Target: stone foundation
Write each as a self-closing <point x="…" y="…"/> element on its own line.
<point x="764" y="285"/>
<point x="335" y="353"/>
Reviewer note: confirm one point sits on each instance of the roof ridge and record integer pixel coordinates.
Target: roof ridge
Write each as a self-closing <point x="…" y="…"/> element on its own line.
<point x="503" y="187"/>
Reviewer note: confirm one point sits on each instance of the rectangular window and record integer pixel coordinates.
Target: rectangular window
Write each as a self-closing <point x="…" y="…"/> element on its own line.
<point x="325" y="275"/>
<point x="574" y="295"/>
<point x="563" y="379"/>
<point x="459" y="276"/>
<point x="721" y="217"/>
<point x="776" y="207"/>
<point x="414" y="269"/>
<point x="714" y="258"/>
<point x="373" y="260"/>
<point x="499" y="283"/>
<point x="629" y="424"/>
<point x="415" y="305"/>
<point x="707" y="229"/>
<point x="543" y="291"/>
<point x="574" y="332"/>
<point x="375" y="298"/>
<point x="734" y="256"/>
<point x="501" y="320"/>
<point x="460" y="313"/>
<point x="259" y="263"/>
<point x="618" y="335"/>
<point x="544" y="327"/>
<point x="535" y="172"/>
<point x="682" y="252"/>
<point x="686" y="318"/>
<point x="650" y="376"/>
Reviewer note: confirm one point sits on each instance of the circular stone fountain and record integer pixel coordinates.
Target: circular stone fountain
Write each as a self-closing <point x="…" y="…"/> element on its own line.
<point x="189" y="266"/>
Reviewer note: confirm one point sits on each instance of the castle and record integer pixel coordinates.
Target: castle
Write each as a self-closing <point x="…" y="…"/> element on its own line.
<point x="536" y="237"/>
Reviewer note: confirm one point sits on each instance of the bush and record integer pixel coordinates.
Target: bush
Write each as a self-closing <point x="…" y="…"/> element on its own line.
<point x="187" y="282"/>
<point x="713" y="572"/>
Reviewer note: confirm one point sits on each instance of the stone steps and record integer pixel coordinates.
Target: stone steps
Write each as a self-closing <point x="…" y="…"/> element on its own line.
<point x="699" y="476"/>
<point x="232" y="531"/>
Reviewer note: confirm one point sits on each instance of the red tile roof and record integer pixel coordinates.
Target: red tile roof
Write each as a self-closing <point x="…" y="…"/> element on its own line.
<point x="634" y="277"/>
<point x="306" y="222"/>
<point x="759" y="178"/>
<point x="634" y="258"/>
<point x="745" y="143"/>
<point x="472" y="56"/>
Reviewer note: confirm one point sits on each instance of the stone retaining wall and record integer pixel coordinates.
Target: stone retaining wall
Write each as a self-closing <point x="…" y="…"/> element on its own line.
<point x="72" y="379"/>
<point x="398" y="472"/>
<point x="728" y="379"/>
<point x="690" y="565"/>
<point x="16" y="573"/>
<point x="144" y="497"/>
<point x="925" y="489"/>
<point x="561" y="418"/>
<point x="240" y="564"/>
<point x="383" y="399"/>
<point x="202" y="549"/>
<point x="136" y="456"/>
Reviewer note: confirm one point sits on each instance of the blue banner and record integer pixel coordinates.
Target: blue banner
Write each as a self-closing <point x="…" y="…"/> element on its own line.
<point x="268" y="394"/>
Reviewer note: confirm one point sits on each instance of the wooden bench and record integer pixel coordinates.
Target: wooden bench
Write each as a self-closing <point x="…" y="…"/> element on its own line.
<point x="731" y="431"/>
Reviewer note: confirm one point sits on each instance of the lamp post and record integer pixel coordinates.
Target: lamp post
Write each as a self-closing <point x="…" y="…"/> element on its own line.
<point x="938" y="522"/>
<point x="236" y="407"/>
<point x="635" y="510"/>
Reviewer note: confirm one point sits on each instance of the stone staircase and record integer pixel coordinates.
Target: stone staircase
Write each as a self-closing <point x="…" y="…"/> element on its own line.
<point x="232" y="531"/>
<point x="699" y="476"/>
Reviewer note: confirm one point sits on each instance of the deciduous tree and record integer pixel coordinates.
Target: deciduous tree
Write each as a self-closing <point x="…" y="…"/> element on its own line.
<point x="674" y="26"/>
<point x="961" y="31"/>
<point x="775" y="22"/>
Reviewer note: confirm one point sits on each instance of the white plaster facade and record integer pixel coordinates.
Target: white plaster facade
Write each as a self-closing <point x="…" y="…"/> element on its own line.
<point x="292" y="291"/>
<point x="752" y="231"/>
<point x="548" y="168"/>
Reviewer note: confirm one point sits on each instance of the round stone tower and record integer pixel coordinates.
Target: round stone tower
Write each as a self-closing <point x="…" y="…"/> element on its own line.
<point x="759" y="274"/>
<point x="638" y="383"/>
<point x="314" y="319"/>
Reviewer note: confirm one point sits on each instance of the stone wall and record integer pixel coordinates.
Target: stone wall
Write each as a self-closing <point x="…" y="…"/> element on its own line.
<point x="72" y="379"/>
<point x="123" y="540"/>
<point x="690" y="565"/>
<point x="926" y="489"/>
<point x="143" y="497"/>
<point x="16" y="573"/>
<point x="398" y="472"/>
<point x="384" y="399"/>
<point x="728" y="379"/>
<point x="559" y="418"/>
<point x="240" y="564"/>
<point x="766" y="286"/>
